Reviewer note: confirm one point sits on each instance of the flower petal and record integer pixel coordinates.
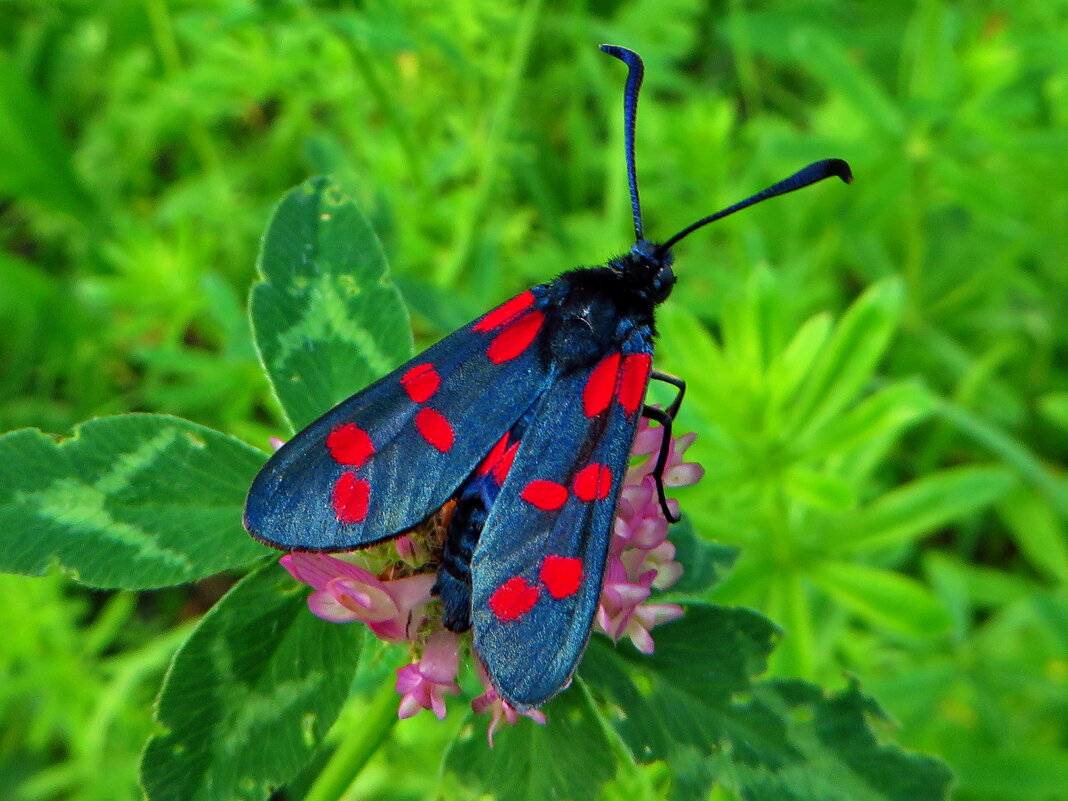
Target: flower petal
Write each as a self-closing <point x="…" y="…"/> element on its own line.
<point x="641" y="638"/>
<point x="683" y="475"/>
<point x="371" y="603"/>
<point x="317" y="569"/>
<point x="408" y="678"/>
<point x="441" y="659"/>
<point x="655" y="614"/>
<point x="409" y="706"/>
<point x="324" y="605"/>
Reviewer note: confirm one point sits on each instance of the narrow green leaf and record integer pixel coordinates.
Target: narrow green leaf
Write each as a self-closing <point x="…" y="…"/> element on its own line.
<point x="830" y="60"/>
<point x="130" y="502"/>
<point x="250" y="696"/>
<point x="1015" y="455"/>
<point x="948" y="583"/>
<point x="696" y="356"/>
<point x="35" y="162"/>
<point x="884" y="598"/>
<point x="1052" y="609"/>
<point x="567" y="759"/>
<point x="1038" y="532"/>
<point x="847" y="362"/>
<point x="968" y="585"/>
<point x="820" y="489"/>
<point x="796" y="656"/>
<point x="444" y="309"/>
<point x="887" y="411"/>
<point x="326" y="316"/>
<point x="789" y="368"/>
<point x="919" y="508"/>
<point x="1054" y="407"/>
<point x="749" y="326"/>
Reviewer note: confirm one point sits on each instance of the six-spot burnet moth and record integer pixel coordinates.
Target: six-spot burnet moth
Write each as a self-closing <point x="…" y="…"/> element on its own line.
<point x="513" y="436"/>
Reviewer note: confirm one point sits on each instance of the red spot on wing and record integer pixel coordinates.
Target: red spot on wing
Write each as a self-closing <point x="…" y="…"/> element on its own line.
<point x="421" y="382"/>
<point x="500" y="470"/>
<point x="547" y="495"/>
<point x="516" y="338"/>
<point x="561" y="575"/>
<point x="513" y="599"/>
<point x="349" y="445"/>
<point x="494" y="456"/>
<point x="635" y="376"/>
<point x="499" y="460"/>
<point x="435" y="429"/>
<point x="593" y="482"/>
<point x="597" y="394"/>
<point x="350" y="498"/>
<point x="505" y="312"/>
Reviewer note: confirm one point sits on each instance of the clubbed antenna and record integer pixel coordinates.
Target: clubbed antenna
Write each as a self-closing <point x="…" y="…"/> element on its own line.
<point x="635" y="72"/>
<point x="799" y="180"/>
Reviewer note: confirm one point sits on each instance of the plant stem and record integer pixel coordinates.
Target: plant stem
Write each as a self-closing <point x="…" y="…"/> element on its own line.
<point x="357" y="746"/>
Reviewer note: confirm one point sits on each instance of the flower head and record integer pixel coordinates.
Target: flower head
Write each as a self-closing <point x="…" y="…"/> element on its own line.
<point x="640" y="557"/>
<point x="425" y="684"/>
<point x="393" y="597"/>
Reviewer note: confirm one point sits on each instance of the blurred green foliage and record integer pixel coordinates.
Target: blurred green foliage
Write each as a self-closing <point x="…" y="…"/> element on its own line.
<point x="916" y="540"/>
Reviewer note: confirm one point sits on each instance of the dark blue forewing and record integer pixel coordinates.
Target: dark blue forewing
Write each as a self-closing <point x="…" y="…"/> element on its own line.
<point x="530" y="654"/>
<point x="381" y="461"/>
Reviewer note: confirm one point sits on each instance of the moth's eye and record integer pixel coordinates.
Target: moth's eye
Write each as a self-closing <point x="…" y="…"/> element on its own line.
<point x="665" y="279"/>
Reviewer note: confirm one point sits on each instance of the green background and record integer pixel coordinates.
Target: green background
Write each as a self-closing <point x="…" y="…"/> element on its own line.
<point x="902" y="518"/>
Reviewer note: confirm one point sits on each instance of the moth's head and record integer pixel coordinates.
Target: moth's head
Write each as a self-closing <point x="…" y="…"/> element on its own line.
<point x="646" y="271"/>
<point x="648" y="268"/>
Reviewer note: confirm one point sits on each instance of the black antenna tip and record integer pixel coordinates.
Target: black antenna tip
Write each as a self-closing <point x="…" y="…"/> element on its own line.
<point x="839" y="167"/>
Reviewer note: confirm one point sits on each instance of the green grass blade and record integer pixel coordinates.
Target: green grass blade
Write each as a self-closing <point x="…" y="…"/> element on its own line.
<point x="884" y="598"/>
<point x="918" y="508"/>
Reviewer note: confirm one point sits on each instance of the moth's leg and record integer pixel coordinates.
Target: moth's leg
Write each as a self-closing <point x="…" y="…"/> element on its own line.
<point x="665" y="419"/>
<point x="675" y="381"/>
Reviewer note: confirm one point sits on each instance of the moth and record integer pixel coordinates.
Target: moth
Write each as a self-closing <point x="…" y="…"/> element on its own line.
<point x="523" y="420"/>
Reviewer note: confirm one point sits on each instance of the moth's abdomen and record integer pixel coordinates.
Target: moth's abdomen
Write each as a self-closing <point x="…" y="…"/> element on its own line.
<point x="453" y="585"/>
<point x="473" y="501"/>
